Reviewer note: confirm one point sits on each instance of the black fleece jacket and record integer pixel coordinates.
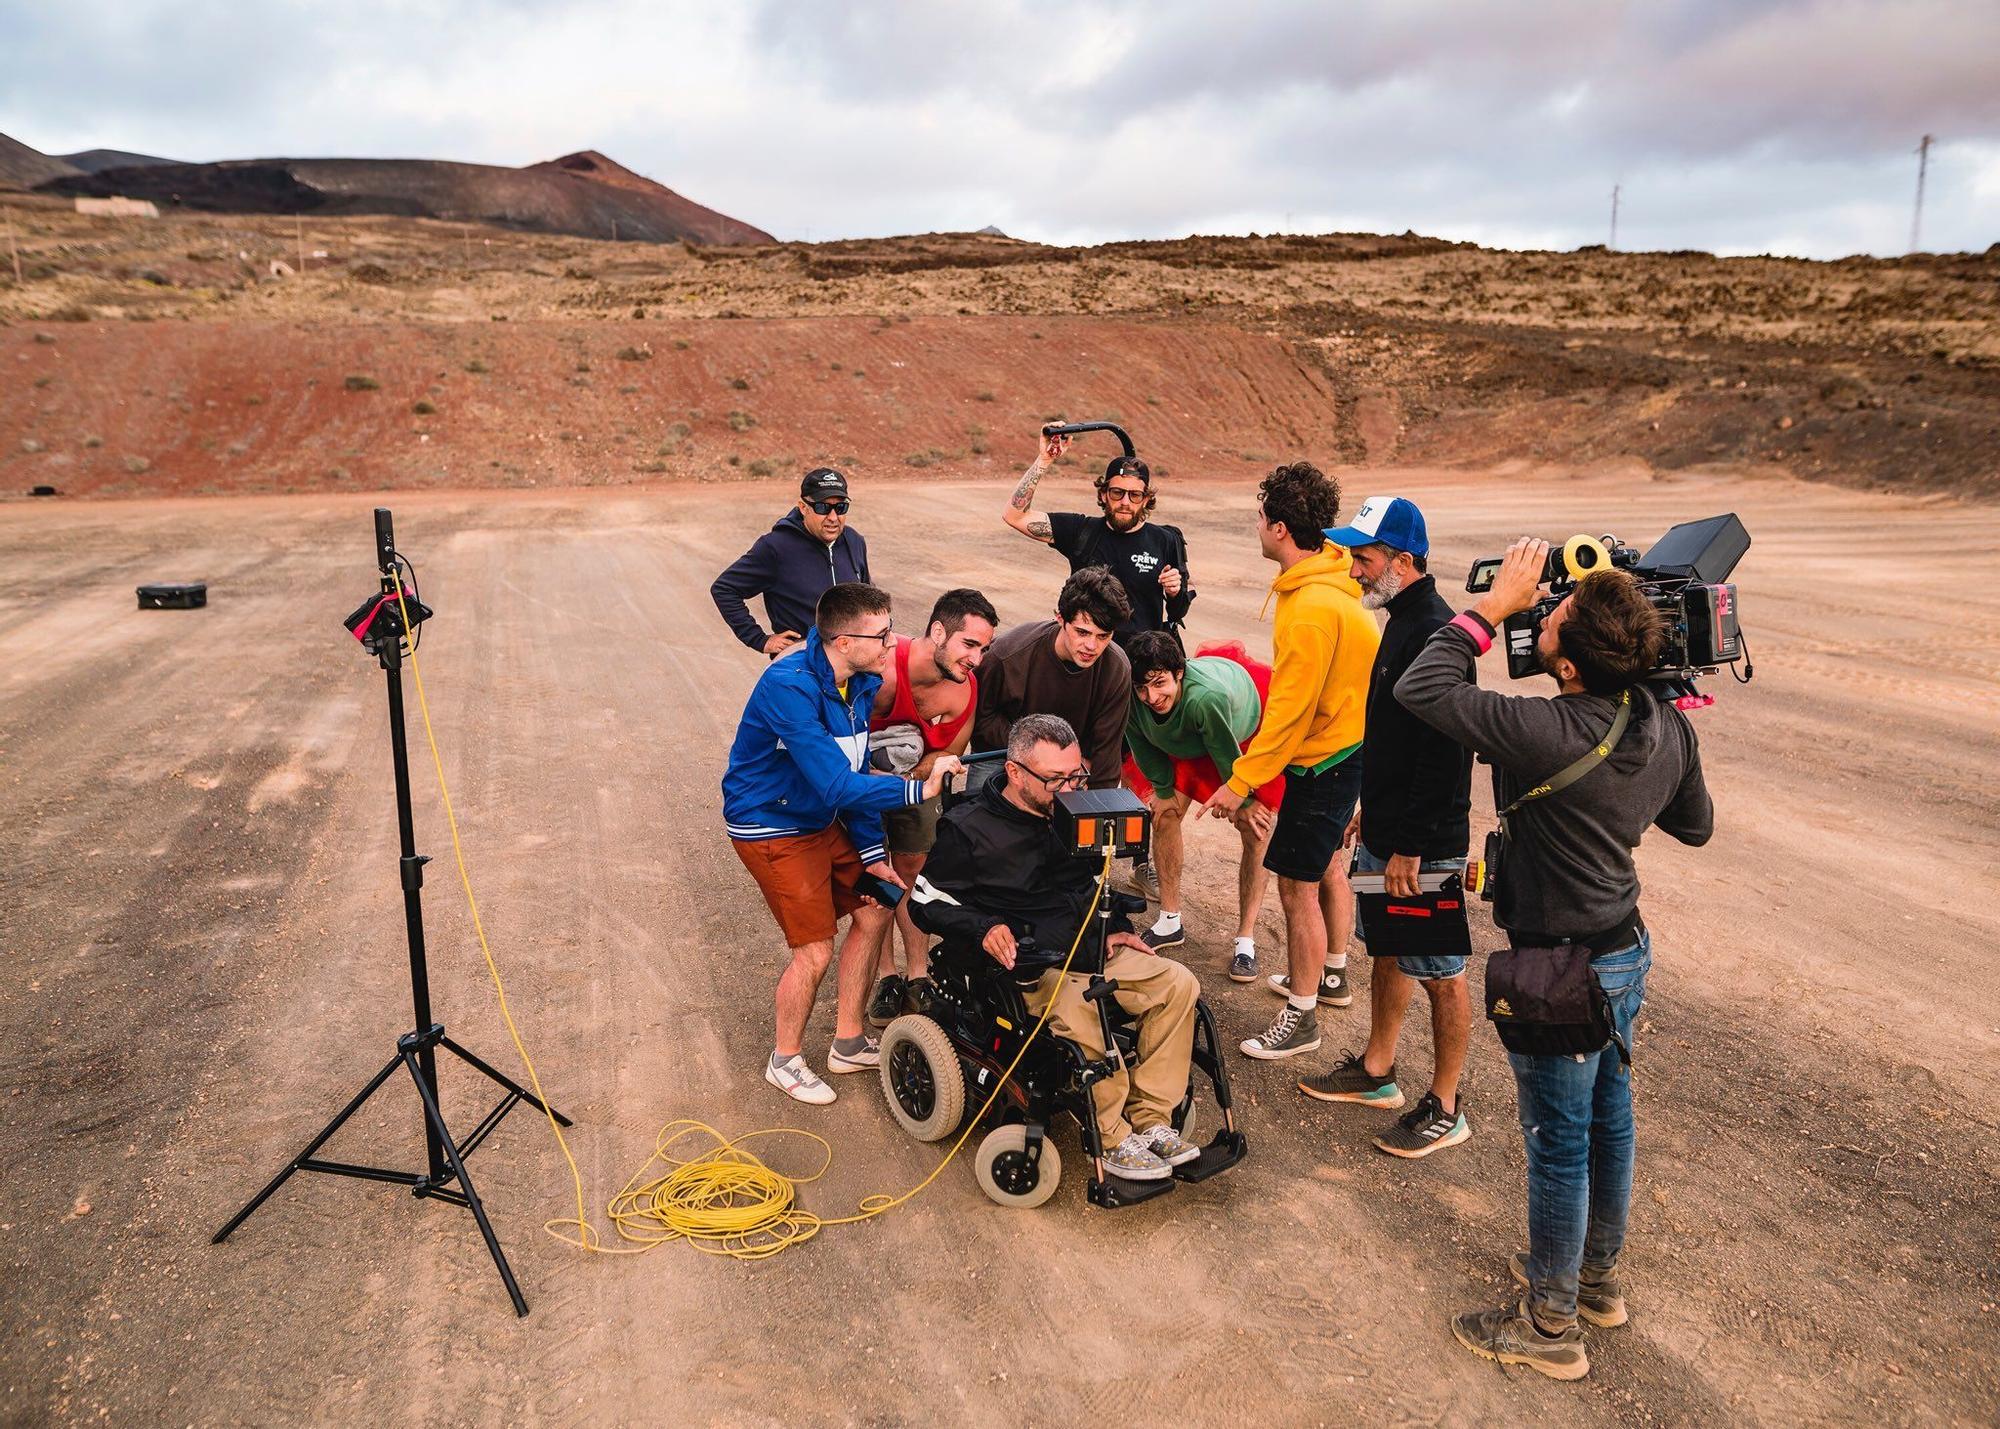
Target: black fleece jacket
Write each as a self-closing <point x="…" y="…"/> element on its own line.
<point x="1416" y="780"/>
<point x="791" y="568"/>
<point x="995" y="862"/>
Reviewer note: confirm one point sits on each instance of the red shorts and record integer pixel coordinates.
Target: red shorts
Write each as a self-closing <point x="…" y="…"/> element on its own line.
<point x="1198" y="778"/>
<point x="807" y="880"/>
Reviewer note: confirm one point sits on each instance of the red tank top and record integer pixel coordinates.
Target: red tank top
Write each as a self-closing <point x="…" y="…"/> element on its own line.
<point x="903" y="709"/>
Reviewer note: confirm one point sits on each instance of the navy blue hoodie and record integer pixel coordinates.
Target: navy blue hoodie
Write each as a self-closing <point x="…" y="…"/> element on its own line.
<point x="791" y="568"/>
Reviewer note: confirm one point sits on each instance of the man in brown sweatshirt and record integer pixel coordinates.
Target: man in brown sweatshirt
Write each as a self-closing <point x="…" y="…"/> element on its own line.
<point x="1066" y="667"/>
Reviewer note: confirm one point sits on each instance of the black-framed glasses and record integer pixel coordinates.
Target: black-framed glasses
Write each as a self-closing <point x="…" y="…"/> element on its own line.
<point x="1130" y="498"/>
<point x="888" y="634"/>
<point x="830" y="508"/>
<point x="1074" y="779"/>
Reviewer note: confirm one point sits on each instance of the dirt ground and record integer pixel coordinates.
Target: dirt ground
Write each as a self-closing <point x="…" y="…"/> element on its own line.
<point x="205" y="957"/>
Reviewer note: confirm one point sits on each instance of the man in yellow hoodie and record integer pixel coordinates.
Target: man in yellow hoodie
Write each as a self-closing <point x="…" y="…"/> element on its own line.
<point x="1325" y="645"/>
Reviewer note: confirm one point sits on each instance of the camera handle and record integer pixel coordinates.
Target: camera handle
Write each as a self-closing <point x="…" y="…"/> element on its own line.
<point x="1071" y="429"/>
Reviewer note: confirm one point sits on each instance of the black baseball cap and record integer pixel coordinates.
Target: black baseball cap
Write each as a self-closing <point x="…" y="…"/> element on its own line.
<point x="822" y="483"/>
<point x="1129" y="466"/>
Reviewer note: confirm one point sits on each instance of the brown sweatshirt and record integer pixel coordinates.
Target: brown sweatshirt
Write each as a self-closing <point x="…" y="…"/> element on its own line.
<point x="1022" y="675"/>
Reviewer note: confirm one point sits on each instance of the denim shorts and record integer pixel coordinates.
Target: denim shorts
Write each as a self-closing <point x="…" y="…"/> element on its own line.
<point x="1423" y="969"/>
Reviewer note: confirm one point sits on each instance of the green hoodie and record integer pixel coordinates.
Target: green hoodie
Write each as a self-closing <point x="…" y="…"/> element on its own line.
<point x="1217" y="711"/>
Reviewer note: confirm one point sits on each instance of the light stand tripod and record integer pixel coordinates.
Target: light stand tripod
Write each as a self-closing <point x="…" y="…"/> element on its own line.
<point x="380" y="628"/>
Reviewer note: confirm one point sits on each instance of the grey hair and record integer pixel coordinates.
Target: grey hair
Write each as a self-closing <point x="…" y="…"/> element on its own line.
<point x="1034" y="729"/>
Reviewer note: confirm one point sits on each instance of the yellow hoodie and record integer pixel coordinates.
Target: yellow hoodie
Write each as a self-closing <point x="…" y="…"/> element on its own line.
<point x="1324" y="643"/>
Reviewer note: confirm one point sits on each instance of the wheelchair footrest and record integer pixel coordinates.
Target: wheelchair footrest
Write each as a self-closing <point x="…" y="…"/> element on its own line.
<point x="1114" y="1192"/>
<point x="1228" y="1148"/>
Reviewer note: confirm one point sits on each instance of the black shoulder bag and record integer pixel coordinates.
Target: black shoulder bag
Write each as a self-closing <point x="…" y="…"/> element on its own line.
<point x="1547" y="1002"/>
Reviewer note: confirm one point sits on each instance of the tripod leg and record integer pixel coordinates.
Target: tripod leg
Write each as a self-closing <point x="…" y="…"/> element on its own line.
<point x="465" y="1182"/>
<point x="506" y="1081"/>
<point x="318" y="1141"/>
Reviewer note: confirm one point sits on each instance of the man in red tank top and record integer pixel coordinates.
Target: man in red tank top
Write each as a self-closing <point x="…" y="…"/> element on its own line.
<point x="924" y="709"/>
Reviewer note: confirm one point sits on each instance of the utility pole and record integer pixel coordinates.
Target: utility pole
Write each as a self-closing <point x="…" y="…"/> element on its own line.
<point x="15" y="249"/>
<point x="299" y="230"/>
<point x="1614" y="216"/>
<point x="1917" y="218"/>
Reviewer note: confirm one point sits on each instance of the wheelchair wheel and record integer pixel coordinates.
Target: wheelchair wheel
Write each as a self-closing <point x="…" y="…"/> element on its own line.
<point x="1004" y="1173"/>
<point x="922" y="1078"/>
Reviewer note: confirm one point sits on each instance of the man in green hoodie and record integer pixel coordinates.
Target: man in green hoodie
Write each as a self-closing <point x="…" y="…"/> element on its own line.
<point x="1189" y="722"/>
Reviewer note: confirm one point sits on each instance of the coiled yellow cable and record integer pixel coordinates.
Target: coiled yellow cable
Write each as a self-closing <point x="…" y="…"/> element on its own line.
<point x="723" y="1200"/>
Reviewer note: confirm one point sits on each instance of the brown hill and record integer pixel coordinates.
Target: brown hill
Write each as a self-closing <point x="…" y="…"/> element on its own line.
<point x="23" y="168"/>
<point x="584" y="194"/>
<point x="93" y="161"/>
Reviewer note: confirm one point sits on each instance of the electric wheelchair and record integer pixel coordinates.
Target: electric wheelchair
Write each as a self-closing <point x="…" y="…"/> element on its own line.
<point x="942" y="1060"/>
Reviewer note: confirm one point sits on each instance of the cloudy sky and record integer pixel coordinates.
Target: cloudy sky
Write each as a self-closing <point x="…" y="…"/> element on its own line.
<point x="1738" y="126"/>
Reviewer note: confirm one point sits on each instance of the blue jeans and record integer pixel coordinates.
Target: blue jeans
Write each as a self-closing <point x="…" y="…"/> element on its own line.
<point x="1576" y="1117"/>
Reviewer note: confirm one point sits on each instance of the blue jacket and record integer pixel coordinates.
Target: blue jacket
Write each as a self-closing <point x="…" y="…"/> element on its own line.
<point x="791" y="568"/>
<point x="801" y="754"/>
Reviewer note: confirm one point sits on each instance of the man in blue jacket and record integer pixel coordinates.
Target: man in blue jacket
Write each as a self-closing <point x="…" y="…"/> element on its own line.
<point x="810" y="548"/>
<point x="805" y="815"/>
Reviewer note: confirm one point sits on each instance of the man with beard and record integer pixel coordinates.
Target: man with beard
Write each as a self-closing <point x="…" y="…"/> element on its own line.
<point x="922" y="712"/>
<point x="1415" y="817"/>
<point x="1149" y="560"/>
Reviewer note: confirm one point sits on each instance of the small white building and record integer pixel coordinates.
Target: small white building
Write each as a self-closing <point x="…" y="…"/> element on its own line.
<point x="118" y="207"/>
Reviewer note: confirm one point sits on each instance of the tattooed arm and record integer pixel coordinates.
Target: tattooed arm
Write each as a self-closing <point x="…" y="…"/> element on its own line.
<point x="1017" y="513"/>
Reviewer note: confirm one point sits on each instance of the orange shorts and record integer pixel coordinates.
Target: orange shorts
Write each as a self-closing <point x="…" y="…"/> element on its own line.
<point x="808" y="881"/>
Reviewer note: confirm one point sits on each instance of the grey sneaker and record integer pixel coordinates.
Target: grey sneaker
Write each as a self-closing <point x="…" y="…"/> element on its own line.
<point x="1169" y="1145"/>
<point x="1333" y="989"/>
<point x="1134" y="1160"/>
<point x="1598" y="1298"/>
<point x="1160" y="942"/>
<point x="1294" y="1032"/>
<point x="1510" y="1336"/>
<point x="1349" y="1081"/>
<point x="1146" y="880"/>
<point x="797" y="1081"/>
<point x="1243" y="967"/>
<point x="1425" y="1128"/>
<point x="865" y="1060"/>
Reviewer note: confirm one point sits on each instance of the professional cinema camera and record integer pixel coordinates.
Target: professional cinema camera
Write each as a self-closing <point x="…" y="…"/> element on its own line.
<point x="1684" y="574"/>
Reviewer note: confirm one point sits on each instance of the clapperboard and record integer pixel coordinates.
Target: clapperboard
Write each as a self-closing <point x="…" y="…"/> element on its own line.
<point x="1430" y="925"/>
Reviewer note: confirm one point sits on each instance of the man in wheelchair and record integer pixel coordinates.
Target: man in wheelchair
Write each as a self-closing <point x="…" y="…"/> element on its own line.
<point x="999" y="879"/>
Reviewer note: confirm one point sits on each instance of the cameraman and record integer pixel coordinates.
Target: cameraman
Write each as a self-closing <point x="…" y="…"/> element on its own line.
<point x="1567" y="877"/>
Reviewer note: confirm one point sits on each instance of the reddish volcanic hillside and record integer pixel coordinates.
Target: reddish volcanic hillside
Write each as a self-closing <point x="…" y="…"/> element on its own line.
<point x="22" y="167"/>
<point x="584" y="194"/>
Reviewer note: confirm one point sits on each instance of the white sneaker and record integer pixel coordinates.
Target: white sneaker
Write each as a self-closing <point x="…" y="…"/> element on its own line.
<point x="796" y="1080"/>
<point x="866" y="1060"/>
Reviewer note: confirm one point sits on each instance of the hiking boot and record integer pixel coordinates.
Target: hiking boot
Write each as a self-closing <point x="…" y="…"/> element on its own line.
<point x="1424" y="1128"/>
<point x="867" y="1059"/>
<point x="796" y="1080"/>
<point x="1510" y="1336"/>
<point x="1243" y="967"/>
<point x="1333" y="989"/>
<point x="1160" y="942"/>
<point x="1169" y="1145"/>
<point x="1146" y="881"/>
<point x="887" y="1003"/>
<point x="1294" y="1032"/>
<point x="1598" y="1298"/>
<point x="1134" y="1160"/>
<point x="1349" y="1081"/>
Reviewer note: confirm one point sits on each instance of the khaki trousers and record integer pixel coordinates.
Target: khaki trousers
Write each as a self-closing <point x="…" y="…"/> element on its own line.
<point x="1161" y="995"/>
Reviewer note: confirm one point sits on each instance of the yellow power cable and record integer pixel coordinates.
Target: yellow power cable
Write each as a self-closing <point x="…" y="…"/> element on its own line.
<point x="726" y="1200"/>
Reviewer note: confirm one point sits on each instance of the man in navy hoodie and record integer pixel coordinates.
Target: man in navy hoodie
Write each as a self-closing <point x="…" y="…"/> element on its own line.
<point x="805" y="815"/>
<point x="810" y="548"/>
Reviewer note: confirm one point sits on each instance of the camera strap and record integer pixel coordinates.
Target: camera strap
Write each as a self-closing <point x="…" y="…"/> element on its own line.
<point x="1568" y="775"/>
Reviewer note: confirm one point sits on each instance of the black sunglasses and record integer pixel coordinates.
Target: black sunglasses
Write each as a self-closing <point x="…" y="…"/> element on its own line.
<point x="830" y="508"/>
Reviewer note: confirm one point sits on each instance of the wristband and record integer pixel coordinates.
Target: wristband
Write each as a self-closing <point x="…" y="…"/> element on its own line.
<point x="1471" y="623"/>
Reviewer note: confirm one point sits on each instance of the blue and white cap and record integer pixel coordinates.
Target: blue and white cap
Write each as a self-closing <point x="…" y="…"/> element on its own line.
<point x="1391" y="521"/>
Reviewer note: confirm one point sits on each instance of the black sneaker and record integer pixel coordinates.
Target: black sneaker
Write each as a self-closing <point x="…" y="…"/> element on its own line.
<point x="1160" y="942"/>
<point x="1424" y="1128"/>
<point x="1332" y="991"/>
<point x="1598" y="1298"/>
<point x="887" y="1003"/>
<point x="1511" y="1336"/>
<point x="1349" y="1081"/>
